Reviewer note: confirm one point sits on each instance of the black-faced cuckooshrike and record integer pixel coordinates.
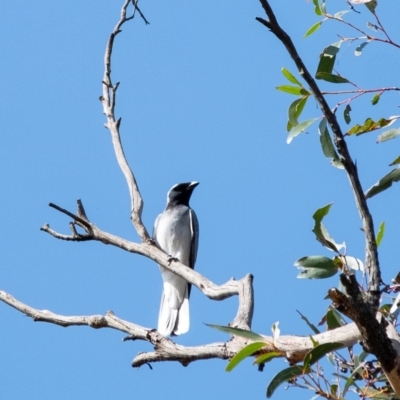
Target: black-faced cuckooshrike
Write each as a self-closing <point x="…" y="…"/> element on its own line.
<point x="176" y="231"/>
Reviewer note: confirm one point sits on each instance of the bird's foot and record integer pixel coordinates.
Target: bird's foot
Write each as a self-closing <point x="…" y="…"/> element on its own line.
<point x="171" y="259"/>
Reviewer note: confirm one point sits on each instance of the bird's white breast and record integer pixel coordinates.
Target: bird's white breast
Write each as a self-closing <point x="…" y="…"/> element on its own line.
<point x="173" y="233"/>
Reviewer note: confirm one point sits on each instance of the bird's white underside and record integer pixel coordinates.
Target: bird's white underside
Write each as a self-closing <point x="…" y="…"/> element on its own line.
<point x="175" y="238"/>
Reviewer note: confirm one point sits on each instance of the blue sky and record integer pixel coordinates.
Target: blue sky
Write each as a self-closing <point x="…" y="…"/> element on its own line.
<point x="198" y="102"/>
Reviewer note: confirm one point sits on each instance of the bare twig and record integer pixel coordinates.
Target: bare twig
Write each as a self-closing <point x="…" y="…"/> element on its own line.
<point x="108" y="101"/>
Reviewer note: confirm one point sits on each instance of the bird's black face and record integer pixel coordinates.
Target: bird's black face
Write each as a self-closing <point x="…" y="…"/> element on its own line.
<point x="180" y="193"/>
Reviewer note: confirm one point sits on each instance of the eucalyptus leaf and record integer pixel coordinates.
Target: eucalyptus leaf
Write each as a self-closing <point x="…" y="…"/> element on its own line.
<point x="263" y="358"/>
<point x="237" y="332"/>
<point x="328" y="77"/>
<point x="321" y="232"/>
<point x="375" y="99"/>
<point x="371" y="5"/>
<point x="360" y="48"/>
<point x="322" y="7"/>
<point x="316" y="267"/>
<point x="318" y="352"/>
<point x="380" y="234"/>
<point x="295" y="110"/>
<point x="290" y="77"/>
<point x="327" y="59"/>
<point x="311" y="326"/>
<point x="299" y="128"/>
<point x="371" y="125"/>
<point x="298" y="91"/>
<point x="284" y="376"/>
<point x="388" y="135"/>
<point x="317" y="10"/>
<point x="339" y="14"/>
<point x="243" y="353"/>
<point x="395" y="161"/>
<point x="383" y="183"/>
<point x="346" y="114"/>
<point x="313" y="29"/>
<point x="334" y="319"/>
<point x="373" y="26"/>
<point x="327" y="145"/>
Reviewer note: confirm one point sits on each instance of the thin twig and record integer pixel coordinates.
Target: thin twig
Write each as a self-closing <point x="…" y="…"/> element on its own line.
<point x="108" y="100"/>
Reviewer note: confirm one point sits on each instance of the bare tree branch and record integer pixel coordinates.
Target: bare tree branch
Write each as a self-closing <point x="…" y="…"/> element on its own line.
<point x="243" y="287"/>
<point x="108" y="101"/>
<point x="294" y="348"/>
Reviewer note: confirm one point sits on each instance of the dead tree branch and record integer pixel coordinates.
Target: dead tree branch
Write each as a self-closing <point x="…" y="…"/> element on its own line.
<point x="108" y="100"/>
<point x="294" y="348"/>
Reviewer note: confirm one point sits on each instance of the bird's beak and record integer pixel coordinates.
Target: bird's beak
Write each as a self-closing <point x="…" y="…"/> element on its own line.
<point x="193" y="185"/>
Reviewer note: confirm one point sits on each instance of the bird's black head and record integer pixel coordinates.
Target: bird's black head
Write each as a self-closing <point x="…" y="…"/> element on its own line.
<point x="180" y="194"/>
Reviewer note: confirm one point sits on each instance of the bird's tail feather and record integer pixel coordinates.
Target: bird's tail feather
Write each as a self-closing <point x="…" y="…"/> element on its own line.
<point x="183" y="323"/>
<point x="172" y="321"/>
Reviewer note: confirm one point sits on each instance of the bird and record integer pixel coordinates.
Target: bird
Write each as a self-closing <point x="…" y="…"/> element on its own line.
<point x="176" y="232"/>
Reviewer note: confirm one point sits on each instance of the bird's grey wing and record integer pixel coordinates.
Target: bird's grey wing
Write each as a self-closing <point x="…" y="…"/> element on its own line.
<point x="194" y="230"/>
<point x="154" y="234"/>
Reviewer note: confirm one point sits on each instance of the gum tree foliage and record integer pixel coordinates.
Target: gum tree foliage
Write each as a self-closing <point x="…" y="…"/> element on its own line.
<point x="373" y="370"/>
<point x="356" y="313"/>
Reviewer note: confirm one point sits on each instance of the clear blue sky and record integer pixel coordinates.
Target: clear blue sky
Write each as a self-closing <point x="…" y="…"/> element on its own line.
<point x="198" y="102"/>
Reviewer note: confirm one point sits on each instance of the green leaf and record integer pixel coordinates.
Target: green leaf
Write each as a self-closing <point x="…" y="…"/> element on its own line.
<point x="315" y="267"/>
<point x="322" y="7"/>
<point x="312" y="326"/>
<point x="298" y="91"/>
<point x="313" y="29"/>
<point x="371" y="5"/>
<point x="244" y="353"/>
<point x="346" y="114"/>
<point x="327" y="58"/>
<point x="375" y="99"/>
<point x="350" y="380"/>
<point x="238" y="332"/>
<point x="388" y="135"/>
<point x="284" y="376"/>
<point x="380" y="234"/>
<point x="327" y="145"/>
<point x="395" y="161"/>
<point x="334" y="320"/>
<point x="372" y="26"/>
<point x="267" y="357"/>
<point x="295" y="110"/>
<point x="359" y="49"/>
<point x="317" y="10"/>
<point x="318" y="352"/>
<point x="371" y="125"/>
<point x="328" y="77"/>
<point x="290" y="77"/>
<point x="313" y="341"/>
<point x="383" y="183"/>
<point x="339" y="14"/>
<point x="321" y="232"/>
<point x="299" y="128"/>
